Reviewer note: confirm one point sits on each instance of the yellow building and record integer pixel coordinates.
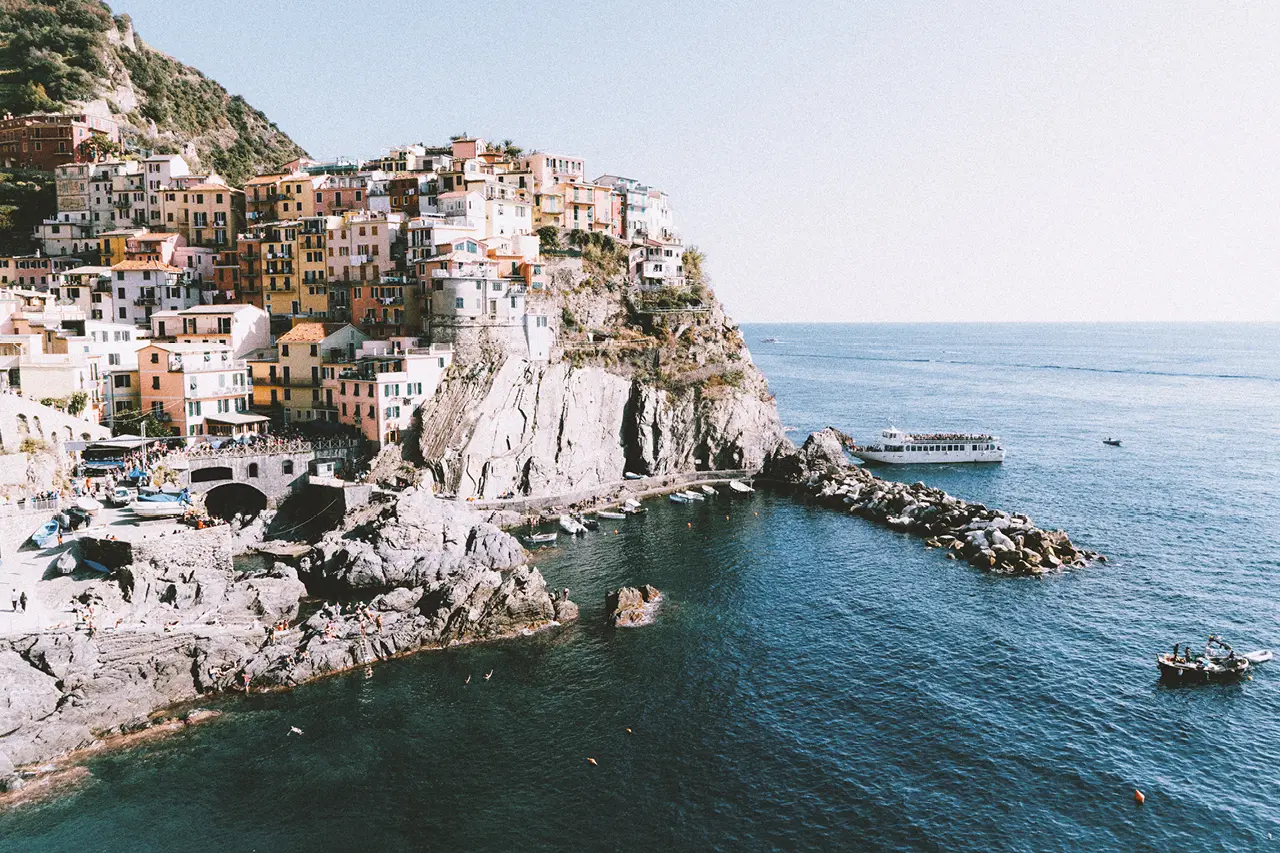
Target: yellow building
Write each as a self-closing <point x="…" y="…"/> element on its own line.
<point x="313" y="289"/>
<point x="207" y="215"/>
<point x="298" y="196"/>
<point x="113" y="245"/>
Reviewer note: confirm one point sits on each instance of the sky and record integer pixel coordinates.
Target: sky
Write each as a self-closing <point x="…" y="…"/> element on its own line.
<point x="835" y="161"/>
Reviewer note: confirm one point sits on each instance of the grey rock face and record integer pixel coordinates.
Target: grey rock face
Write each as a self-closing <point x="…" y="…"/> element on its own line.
<point x="629" y="607"/>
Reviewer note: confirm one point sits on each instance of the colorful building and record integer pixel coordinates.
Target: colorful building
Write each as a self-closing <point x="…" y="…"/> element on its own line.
<point x="199" y="389"/>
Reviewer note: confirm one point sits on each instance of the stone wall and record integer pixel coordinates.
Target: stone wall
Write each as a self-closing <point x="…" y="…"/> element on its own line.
<point x="22" y="418"/>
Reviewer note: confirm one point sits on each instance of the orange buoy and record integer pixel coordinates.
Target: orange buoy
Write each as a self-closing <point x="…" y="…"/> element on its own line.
<point x="592" y="762"/>
<point x="628" y="731"/>
<point x="689" y="524"/>
<point x="1138" y="797"/>
<point x="726" y="518"/>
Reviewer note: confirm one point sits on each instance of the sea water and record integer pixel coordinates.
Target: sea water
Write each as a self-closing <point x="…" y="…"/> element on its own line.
<point x="813" y="682"/>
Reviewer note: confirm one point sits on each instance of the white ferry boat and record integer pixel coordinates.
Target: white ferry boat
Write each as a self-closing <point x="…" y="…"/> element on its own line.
<point x="905" y="448"/>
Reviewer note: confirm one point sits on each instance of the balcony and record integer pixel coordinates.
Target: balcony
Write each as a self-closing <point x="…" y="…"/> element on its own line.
<point x="205" y="364"/>
<point x="147" y="300"/>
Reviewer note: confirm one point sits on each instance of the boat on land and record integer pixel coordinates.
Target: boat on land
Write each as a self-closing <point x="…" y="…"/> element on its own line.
<point x="1219" y="662"/>
<point x="678" y="498"/>
<point x="46" y="533"/>
<point x="541" y="538"/>
<point x="905" y="448"/>
<point x="573" y="528"/>
<point x="66" y="563"/>
<point x="160" y="506"/>
<point x="1114" y="442"/>
<point x="96" y="566"/>
<point x="611" y="514"/>
<point x="740" y="487"/>
<point x="709" y="490"/>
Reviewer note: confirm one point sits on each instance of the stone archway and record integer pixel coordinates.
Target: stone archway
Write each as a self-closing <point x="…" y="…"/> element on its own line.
<point x="230" y="498"/>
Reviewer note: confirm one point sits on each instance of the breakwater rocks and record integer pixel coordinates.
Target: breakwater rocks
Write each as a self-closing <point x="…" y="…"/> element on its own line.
<point x="990" y="539"/>
<point x="629" y="607"/>
<point x="177" y="621"/>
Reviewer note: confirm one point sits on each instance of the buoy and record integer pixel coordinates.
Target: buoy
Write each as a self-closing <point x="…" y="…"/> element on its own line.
<point x="628" y="731"/>
<point x="726" y="518"/>
<point x="592" y="762"/>
<point x="689" y="524"/>
<point x="1138" y="797"/>
<point x="615" y="533"/>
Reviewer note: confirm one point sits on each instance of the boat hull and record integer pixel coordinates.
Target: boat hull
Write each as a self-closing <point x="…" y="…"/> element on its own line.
<point x="159" y="509"/>
<point x="930" y="457"/>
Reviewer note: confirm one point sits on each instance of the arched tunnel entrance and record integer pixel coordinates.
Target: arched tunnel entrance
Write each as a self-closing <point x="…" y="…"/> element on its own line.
<point x="226" y="500"/>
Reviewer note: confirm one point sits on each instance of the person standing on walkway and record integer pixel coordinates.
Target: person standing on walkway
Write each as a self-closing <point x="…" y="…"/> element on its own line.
<point x="22" y="599"/>
<point x="13" y="599"/>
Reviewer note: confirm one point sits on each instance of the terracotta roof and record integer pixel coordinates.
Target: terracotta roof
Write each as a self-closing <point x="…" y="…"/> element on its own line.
<point x="154" y="266"/>
<point x="309" y="333"/>
<point x="265" y="179"/>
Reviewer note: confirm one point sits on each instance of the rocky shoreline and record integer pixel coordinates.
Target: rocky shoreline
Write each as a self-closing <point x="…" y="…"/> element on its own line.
<point x="178" y="623"/>
<point x="990" y="539"/>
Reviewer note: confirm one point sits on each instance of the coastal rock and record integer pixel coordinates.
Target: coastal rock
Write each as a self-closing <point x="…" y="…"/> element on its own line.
<point x="29" y="694"/>
<point x="630" y="607"/>
<point x="990" y="539"/>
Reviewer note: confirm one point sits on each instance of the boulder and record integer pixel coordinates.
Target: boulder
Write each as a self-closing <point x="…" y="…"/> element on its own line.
<point x="630" y="607"/>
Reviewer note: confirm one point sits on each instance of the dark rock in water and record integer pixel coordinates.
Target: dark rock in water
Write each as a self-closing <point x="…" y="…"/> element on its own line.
<point x="629" y="607"/>
<point x="822" y="452"/>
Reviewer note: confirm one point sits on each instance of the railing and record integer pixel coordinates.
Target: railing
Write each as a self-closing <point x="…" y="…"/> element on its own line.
<point x="22" y="506"/>
<point x="146" y="300"/>
<point x="189" y="365"/>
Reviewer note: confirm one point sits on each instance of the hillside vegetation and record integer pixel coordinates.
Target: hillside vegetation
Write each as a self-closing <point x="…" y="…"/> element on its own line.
<point x="61" y="55"/>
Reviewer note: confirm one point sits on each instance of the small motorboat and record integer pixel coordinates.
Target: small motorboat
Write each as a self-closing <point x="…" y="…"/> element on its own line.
<point x="66" y="563"/>
<point x="541" y="538"/>
<point x="694" y="496"/>
<point x="769" y="341"/>
<point x="677" y="498"/>
<point x="1114" y="442"/>
<point x="709" y="490"/>
<point x="632" y="475"/>
<point x="740" y="487"/>
<point x="573" y="528"/>
<point x="161" y="504"/>
<point x="1219" y="662"/>
<point x="88" y="504"/>
<point x="588" y="523"/>
<point x="611" y="514"/>
<point x="47" y="533"/>
<point x="630" y="505"/>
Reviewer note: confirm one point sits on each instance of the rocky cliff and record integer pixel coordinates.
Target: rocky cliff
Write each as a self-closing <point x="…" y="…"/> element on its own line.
<point x="630" y="387"/>
<point x="177" y="621"/>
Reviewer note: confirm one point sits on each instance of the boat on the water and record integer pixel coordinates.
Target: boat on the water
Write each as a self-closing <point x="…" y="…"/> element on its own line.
<point x="678" y="498"/>
<point x="611" y="514"/>
<point x="570" y="526"/>
<point x="541" y="538"/>
<point x="66" y="563"/>
<point x="694" y="496"/>
<point x="740" y="487"/>
<point x="1219" y="662"/>
<point x="1114" y="442"/>
<point x="905" y="448"/>
<point x="47" y="533"/>
<point x="632" y="475"/>
<point x="588" y="523"/>
<point x="709" y="490"/>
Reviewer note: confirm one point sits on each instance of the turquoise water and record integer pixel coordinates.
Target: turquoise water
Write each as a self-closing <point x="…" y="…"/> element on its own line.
<point x="814" y="682"/>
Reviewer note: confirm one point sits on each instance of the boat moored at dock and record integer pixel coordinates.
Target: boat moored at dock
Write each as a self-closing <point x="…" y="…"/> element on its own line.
<point x="905" y="448"/>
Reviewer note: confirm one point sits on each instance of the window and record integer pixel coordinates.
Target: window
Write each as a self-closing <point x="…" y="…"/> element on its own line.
<point x="155" y="383"/>
<point x="457" y="303"/>
<point x="284" y="349"/>
<point x="253" y="469"/>
<point x="122" y="380"/>
<point x="315" y="350"/>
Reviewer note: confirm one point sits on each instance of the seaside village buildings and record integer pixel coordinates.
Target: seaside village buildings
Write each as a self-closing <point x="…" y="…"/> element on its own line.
<point x="321" y="293"/>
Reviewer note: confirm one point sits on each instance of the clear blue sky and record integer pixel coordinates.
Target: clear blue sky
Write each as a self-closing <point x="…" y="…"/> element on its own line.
<point x="847" y="161"/>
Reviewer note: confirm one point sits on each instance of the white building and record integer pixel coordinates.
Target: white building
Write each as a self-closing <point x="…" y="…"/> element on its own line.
<point x="646" y="211"/>
<point x="145" y="287"/>
<point x="243" y="328"/>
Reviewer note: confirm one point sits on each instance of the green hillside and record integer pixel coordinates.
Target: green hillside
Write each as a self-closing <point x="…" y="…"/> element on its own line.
<point x="58" y="55"/>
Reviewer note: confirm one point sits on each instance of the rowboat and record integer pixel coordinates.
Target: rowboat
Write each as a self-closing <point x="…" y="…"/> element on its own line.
<point x="96" y="566"/>
<point x="708" y="490"/>
<point x="694" y="496"/>
<point x="632" y="475"/>
<point x="46" y="534"/>
<point x="608" y="513"/>
<point x="740" y="487"/>
<point x="677" y="498"/>
<point x="540" y="538"/>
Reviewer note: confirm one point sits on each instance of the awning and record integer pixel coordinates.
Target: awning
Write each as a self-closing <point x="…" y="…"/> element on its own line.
<point x="237" y="418"/>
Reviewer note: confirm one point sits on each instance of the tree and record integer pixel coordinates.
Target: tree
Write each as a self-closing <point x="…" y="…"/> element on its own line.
<point x="76" y="403"/>
<point x="692" y="261"/>
<point x="549" y="235"/>
<point x="99" y="146"/>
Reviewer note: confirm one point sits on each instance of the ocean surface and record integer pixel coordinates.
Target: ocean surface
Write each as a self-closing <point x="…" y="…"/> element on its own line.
<point x="813" y="682"/>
